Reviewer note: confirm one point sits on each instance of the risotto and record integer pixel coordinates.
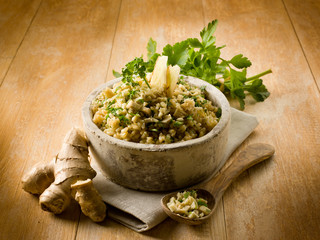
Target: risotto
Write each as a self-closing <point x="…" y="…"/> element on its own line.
<point x="137" y="113"/>
<point x="187" y="204"/>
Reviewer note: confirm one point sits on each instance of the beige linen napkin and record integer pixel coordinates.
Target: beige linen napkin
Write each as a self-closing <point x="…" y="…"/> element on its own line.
<point x="142" y="211"/>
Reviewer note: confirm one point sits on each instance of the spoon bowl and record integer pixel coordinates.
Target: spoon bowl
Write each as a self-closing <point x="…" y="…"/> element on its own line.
<point x="201" y="193"/>
<point x="251" y="155"/>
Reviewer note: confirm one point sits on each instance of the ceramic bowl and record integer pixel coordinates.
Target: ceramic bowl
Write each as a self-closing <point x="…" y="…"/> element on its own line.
<point x="159" y="167"/>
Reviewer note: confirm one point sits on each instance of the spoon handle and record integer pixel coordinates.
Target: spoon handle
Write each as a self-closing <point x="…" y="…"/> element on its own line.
<point x="251" y="155"/>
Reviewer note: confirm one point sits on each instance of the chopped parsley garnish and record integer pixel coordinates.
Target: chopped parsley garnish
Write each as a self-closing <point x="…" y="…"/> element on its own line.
<point x="177" y="124"/>
<point x="131" y="94"/>
<point x="123" y="120"/>
<point x="141" y="100"/>
<point x="198" y="104"/>
<point x="181" y="81"/>
<point x="111" y="103"/>
<point x="186" y="194"/>
<point x="201" y="202"/>
<point x="218" y="113"/>
<point x="113" y="111"/>
<point x="203" y="88"/>
<point x="189" y="117"/>
<point x="168" y="102"/>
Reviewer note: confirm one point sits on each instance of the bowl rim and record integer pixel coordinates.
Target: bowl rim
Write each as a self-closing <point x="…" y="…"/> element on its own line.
<point x="214" y="94"/>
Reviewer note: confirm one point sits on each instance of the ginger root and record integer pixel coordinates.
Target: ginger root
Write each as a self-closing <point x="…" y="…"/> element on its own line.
<point x="89" y="199"/>
<point x="39" y="178"/>
<point x="53" y="181"/>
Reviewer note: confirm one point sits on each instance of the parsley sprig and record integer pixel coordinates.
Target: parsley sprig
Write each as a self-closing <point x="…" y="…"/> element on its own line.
<point x="136" y="67"/>
<point x="201" y="58"/>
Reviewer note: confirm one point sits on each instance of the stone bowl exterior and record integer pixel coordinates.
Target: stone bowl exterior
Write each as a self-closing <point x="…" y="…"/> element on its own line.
<point x="153" y="167"/>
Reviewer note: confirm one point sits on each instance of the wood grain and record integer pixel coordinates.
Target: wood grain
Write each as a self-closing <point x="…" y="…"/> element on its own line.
<point x="247" y="158"/>
<point x="250" y="156"/>
<point x="289" y="120"/>
<point x="15" y="18"/>
<point x="4" y="66"/>
<point x="165" y="22"/>
<point x="62" y="58"/>
<point x="305" y="17"/>
<point x="53" y="53"/>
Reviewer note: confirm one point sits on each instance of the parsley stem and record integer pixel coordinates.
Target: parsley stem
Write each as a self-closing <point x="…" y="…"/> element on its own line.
<point x="223" y="60"/>
<point x="145" y="80"/>
<point x="259" y="75"/>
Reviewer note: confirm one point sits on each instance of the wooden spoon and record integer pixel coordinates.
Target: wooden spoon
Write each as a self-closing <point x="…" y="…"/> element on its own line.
<point x="251" y="155"/>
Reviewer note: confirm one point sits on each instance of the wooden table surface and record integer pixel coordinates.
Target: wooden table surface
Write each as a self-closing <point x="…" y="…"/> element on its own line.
<point x="54" y="52"/>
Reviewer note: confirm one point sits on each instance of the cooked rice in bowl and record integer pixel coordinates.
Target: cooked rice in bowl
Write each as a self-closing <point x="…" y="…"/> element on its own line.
<point x="136" y="113"/>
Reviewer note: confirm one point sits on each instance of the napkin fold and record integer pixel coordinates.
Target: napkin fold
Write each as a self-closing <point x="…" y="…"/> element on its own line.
<point x="141" y="211"/>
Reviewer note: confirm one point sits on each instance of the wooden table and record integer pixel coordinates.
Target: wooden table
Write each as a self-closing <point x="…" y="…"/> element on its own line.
<point x="53" y="53"/>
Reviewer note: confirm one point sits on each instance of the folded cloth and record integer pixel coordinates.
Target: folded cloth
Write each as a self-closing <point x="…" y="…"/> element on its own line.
<point x="142" y="211"/>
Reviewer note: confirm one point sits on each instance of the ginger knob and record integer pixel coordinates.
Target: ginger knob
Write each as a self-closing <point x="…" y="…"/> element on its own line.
<point x="38" y="179"/>
<point x="89" y="200"/>
<point x="54" y="180"/>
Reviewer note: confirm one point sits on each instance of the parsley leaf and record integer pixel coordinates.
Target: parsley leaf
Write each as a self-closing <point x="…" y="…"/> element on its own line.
<point x="207" y="32"/>
<point x="257" y="90"/>
<point x="116" y="74"/>
<point x="177" y="54"/>
<point x="239" y="61"/>
<point x="194" y="42"/>
<point x="152" y="55"/>
<point x="201" y="58"/>
<point x="151" y="48"/>
<point x="136" y="67"/>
